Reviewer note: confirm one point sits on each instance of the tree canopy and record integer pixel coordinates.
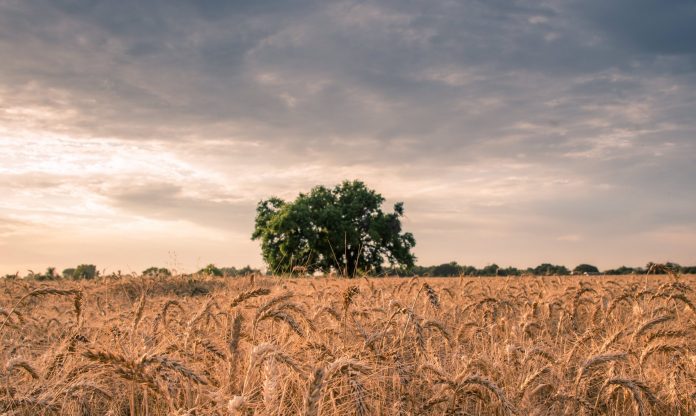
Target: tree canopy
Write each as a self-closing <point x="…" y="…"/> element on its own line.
<point x="341" y="229"/>
<point x="547" y="269"/>
<point x="85" y="271"/>
<point x="585" y="268"/>
<point x="157" y="272"/>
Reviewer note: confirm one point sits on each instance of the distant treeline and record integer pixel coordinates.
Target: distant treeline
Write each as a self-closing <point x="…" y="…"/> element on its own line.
<point x="89" y="271"/>
<point x="545" y="269"/>
<point x="451" y="269"/>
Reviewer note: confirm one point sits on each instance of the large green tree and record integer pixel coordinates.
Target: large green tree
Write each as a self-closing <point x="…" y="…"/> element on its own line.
<point x="342" y="229"/>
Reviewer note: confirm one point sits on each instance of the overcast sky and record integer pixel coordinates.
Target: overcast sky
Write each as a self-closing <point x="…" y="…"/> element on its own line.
<point x="140" y="133"/>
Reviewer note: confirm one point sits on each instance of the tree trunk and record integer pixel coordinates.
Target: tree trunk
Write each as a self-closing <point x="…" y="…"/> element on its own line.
<point x="350" y="264"/>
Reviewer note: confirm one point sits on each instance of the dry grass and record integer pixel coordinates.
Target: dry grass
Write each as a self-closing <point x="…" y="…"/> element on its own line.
<point x="278" y="346"/>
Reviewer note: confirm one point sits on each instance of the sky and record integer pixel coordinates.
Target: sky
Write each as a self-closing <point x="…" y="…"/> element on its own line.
<point x="137" y="134"/>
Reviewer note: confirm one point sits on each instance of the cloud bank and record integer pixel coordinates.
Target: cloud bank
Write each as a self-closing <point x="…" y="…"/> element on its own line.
<point x="517" y="132"/>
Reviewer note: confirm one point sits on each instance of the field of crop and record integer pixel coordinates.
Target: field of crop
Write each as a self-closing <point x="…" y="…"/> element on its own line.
<point x="316" y="346"/>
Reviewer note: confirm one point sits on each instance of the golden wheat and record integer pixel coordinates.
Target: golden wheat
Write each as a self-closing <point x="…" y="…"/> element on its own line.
<point x="488" y="346"/>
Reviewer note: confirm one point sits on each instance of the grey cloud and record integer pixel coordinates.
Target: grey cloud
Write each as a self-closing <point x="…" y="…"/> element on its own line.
<point x="9" y="226"/>
<point x="647" y="26"/>
<point x="31" y="181"/>
<point x="168" y="202"/>
<point x="344" y="69"/>
<point x="599" y="93"/>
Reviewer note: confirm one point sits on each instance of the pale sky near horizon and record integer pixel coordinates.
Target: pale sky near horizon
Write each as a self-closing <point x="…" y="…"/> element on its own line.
<point x="135" y="134"/>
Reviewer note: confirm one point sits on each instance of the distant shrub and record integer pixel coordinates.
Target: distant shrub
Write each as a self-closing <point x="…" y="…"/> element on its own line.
<point x="211" y="270"/>
<point x="156" y="271"/>
<point x="469" y="271"/>
<point x="585" y="268"/>
<point x="50" y="274"/>
<point x="446" y="269"/>
<point x="85" y="271"/>
<point x="509" y="271"/>
<point x="68" y="273"/>
<point x="235" y="272"/>
<point x="548" y="269"/>
<point x="624" y="270"/>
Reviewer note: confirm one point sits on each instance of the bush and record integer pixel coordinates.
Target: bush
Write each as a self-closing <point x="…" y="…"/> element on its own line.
<point x="585" y="268"/>
<point x="156" y="271"/>
<point x="452" y="269"/>
<point x="490" y="270"/>
<point x="509" y="271"/>
<point x="68" y="273"/>
<point x="85" y="271"/>
<point x="623" y="270"/>
<point x="211" y="270"/>
<point x="49" y="275"/>
<point x="235" y="272"/>
<point x="547" y="269"/>
<point x="446" y="270"/>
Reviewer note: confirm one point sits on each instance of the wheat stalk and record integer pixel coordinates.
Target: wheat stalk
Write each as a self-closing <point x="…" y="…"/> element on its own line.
<point x="250" y="294"/>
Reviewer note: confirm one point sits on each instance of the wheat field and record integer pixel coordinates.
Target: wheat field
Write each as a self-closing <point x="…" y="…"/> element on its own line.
<point x="379" y="346"/>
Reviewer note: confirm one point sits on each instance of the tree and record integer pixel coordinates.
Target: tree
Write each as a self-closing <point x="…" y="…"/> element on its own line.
<point x="157" y="271"/>
<point x="509" y="271"/>
<point x="49" y="275"/>
<point x="489" y="270"/>
<point x="585" y="268"/>
<point x="84" y="271"/>
<point x="211" y="270"/>
<point x="623" y="270"/>
<point x="688" y="270"/>
<point x="342" y="229"/>
<point x="469" y="271"/>
<point x="447" y="270"/>
<point x="235" y="272"/>
<point x="547" y="269"/>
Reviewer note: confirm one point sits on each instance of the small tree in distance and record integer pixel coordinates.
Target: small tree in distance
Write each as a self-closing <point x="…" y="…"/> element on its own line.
<point x="211" y="270"/>
<point x="85" y="271"/>
<point x="548" y="269"/>
<point x="156" y="271"/>
<point x="585" y="268"/>
<point x="342" y="229"/>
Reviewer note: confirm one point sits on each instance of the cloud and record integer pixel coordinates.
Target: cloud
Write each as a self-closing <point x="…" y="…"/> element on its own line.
<point x="167" y="201"/>
<point x="646" y="26"/>
<point x="511" y="121"/>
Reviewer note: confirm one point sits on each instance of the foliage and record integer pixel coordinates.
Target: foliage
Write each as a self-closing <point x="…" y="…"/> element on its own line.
<point x="211" y="270"/>
<point x="469" y="271"/>
<point x="235" y="272"/>
<point x="547" y="269"/>
<point x="68" y="273"/>
<point x="454" y="269"/>
<point x="585" y="268"/>
<point x="663" y="268"/>
<point x="50" y="274"/>
<point x="342" y="229"/>
<point x="509" y="271"/>
<point x="85" y="271"/>
<point x="156" y="271"/>
<point x="623" y="270"/>
<point x="442" y="270"/>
